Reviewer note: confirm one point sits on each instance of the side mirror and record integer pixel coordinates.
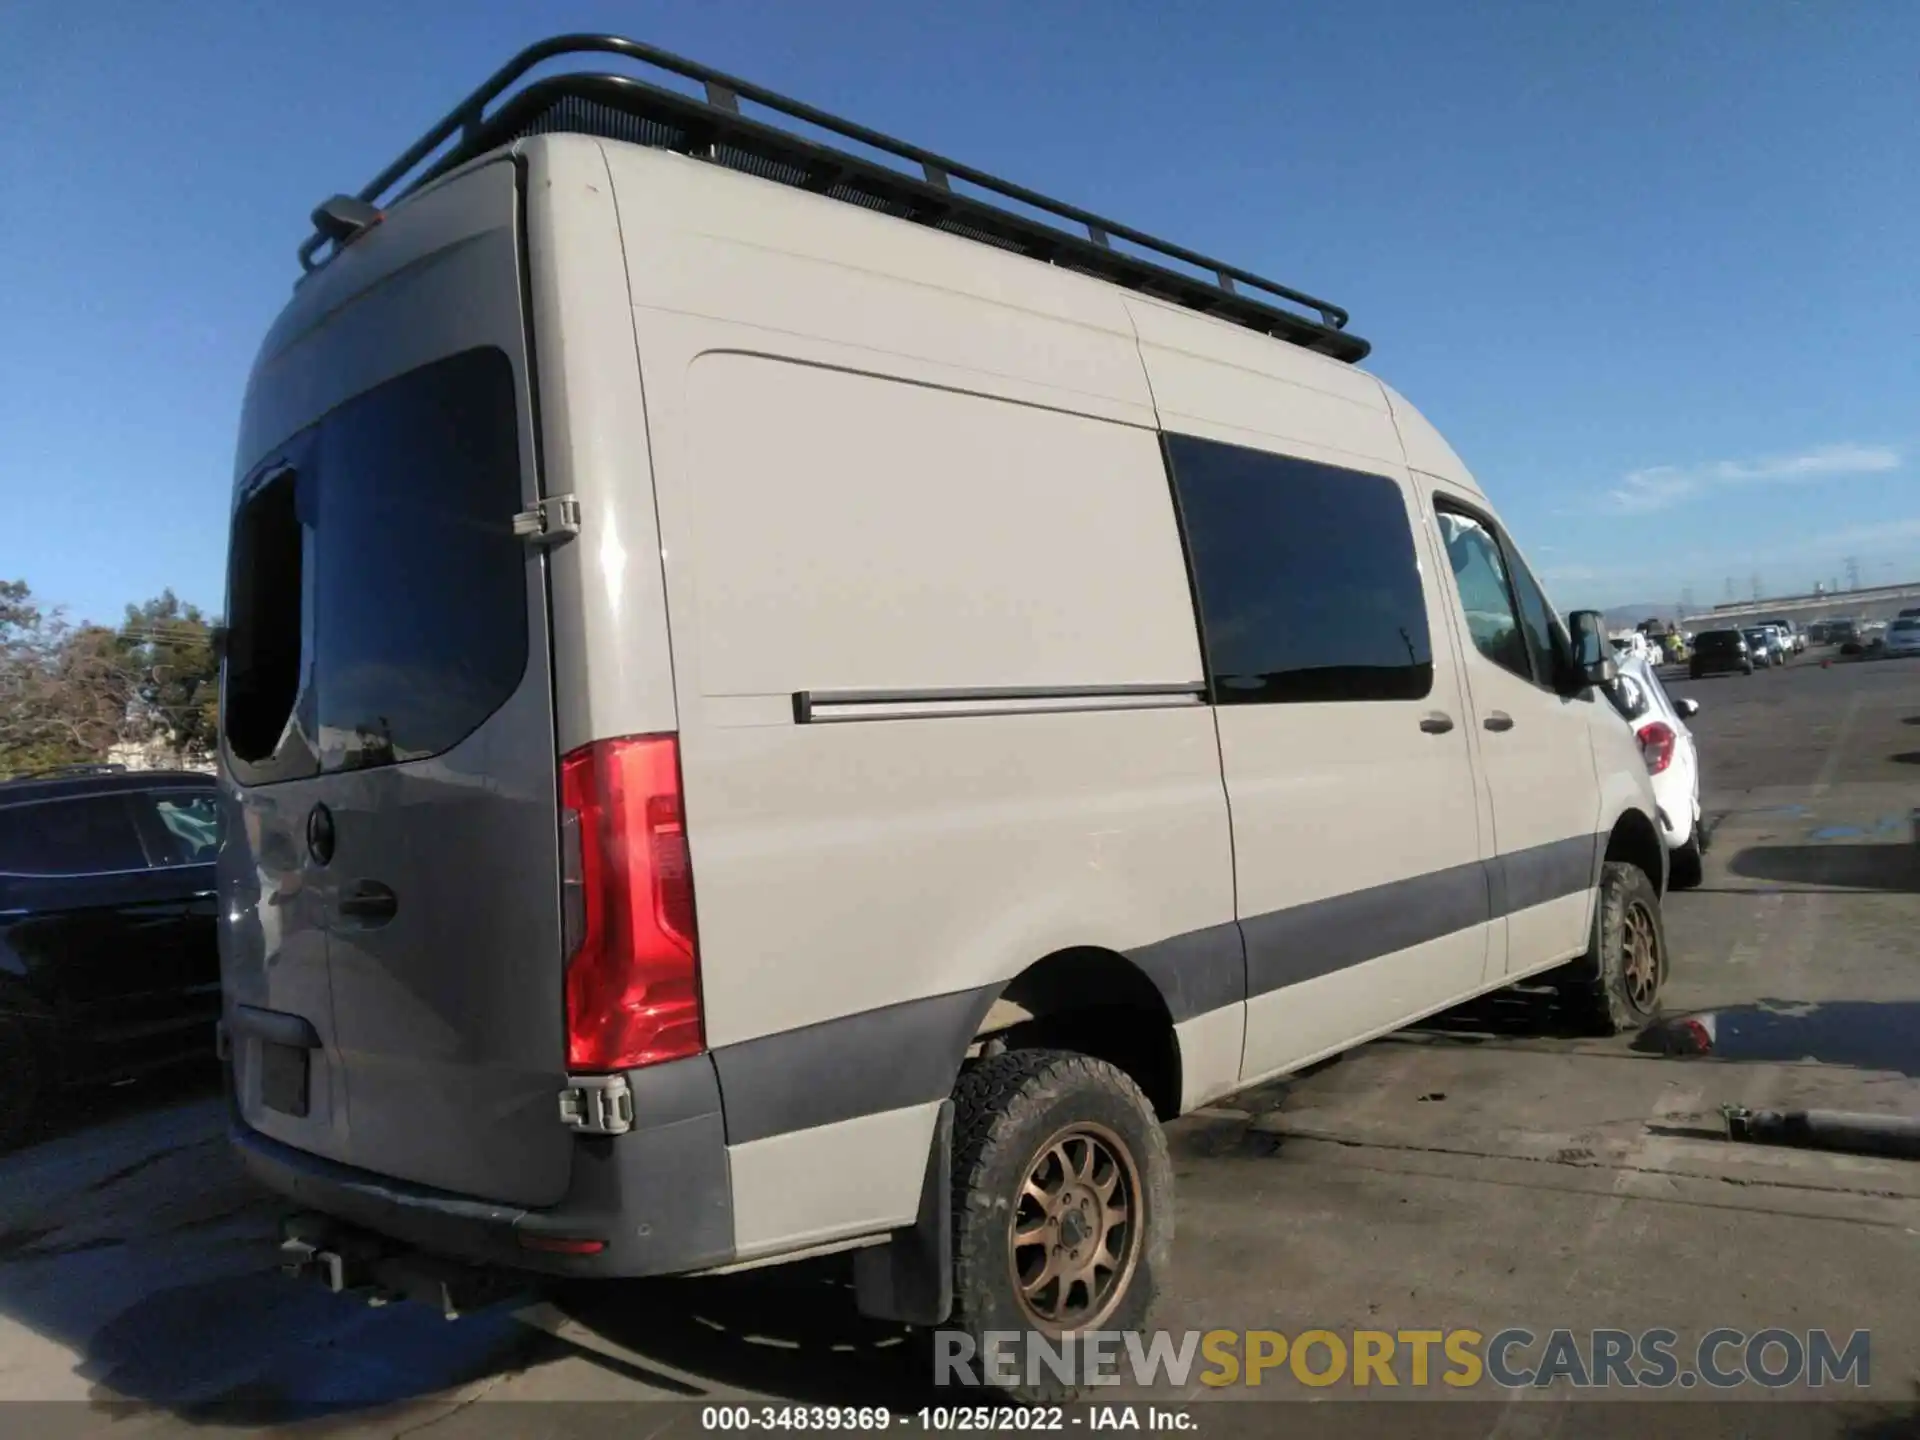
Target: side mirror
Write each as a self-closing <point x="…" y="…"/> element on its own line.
<point x="1687" y="708"/>
<point x="1592" y="657"/>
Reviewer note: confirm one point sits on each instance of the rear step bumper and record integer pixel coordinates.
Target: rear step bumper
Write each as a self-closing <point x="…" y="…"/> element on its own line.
<point x="657" y="1197"/>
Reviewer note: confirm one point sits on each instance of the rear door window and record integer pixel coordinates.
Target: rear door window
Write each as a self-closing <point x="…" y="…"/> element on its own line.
<point x="391" y="571"/>
<point x="83" y="835"/>
<point x="1308" y="584"/>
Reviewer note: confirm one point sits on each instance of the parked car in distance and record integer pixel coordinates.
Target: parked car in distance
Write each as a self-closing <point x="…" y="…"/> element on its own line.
<point x="1721" y="652"/>
<point x="1819" y="631"/>
<point x="1843" y="632"/>
<point x="1903" y="637"/>
<point x="1666" y="743"/>
<point x="1764" y="645"/>
<point x="108" y="954"/>
<point x="880" y="873"/>
<point x="1795" y="639"/>
<point x="1911" y="612"/>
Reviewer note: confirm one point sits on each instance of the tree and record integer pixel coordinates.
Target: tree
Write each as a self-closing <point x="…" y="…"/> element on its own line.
<point x="176" y="686"/>
<point x="66" y="691"/>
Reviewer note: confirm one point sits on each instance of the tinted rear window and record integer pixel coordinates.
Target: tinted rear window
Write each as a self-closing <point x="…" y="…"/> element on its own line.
<point x="1308" y="586"/>
<point x="1716" y="640"/>
<point x="411" y="619"/>
<point x="88" y="834"/>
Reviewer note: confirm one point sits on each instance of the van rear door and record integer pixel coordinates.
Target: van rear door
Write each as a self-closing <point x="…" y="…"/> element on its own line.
<point x="403" y="788"/>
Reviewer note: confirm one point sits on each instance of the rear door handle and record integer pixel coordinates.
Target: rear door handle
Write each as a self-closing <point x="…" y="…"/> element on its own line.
<point x="369" y="903"/>
<point x="1437" y="723"/>
<point x="1498" y="720"/>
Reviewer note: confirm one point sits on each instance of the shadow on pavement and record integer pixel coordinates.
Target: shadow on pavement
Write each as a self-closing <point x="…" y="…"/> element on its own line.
<point x="789" y="1331"/>
<point x="139" y="1269"/>
<point x="1860" y="867"/>
<point x="1906" y="757"/>
<point x="1537" y="1012"/>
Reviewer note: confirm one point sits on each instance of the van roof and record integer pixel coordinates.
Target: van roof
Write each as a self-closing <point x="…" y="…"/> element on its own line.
<point x="714" y="127"/>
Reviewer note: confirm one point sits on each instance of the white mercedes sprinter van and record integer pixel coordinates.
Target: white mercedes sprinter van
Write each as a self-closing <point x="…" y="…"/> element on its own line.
<point x="780" y="702"/>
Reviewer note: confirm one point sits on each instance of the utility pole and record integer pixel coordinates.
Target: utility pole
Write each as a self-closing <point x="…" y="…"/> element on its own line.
<point x="1686" y="602"/>
<point x="1853" y="573"/>
<point x="1730" y="590"/>
<point x="1756" y="589"/>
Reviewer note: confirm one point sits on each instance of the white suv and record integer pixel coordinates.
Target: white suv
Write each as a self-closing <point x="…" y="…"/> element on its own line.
<point x="759" y="723"/>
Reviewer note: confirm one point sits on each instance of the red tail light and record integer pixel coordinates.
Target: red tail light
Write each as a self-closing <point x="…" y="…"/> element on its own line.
<point x="633" y="975"/>
<point x="1656" y="745"/>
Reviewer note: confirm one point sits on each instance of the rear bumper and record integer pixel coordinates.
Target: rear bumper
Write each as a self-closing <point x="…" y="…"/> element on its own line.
<point x="657" y="1196"/>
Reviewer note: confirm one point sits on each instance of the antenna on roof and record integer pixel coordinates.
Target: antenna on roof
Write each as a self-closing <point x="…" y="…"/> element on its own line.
<point x="714" y="126"/>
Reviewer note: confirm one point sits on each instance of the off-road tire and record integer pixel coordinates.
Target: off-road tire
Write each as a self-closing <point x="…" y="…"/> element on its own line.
<point x="1008" y="1108"/>
<point x="1598" y="986"/>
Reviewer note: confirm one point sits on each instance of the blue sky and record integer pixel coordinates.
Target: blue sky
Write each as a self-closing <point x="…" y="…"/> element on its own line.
<point x="1651" y="267"/>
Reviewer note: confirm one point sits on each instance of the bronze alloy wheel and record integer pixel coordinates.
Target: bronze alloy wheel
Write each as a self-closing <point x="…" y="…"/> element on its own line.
<point x="1076" y="1229"/>
<point x="1640" y="959"/>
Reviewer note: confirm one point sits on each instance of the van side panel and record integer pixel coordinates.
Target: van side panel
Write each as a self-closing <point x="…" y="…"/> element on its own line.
<point x="612" y="672"/>
<point x="890" y="460"/>
<point x="865" y="535"/>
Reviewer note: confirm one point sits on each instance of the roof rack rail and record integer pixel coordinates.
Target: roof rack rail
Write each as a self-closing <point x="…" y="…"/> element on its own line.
<point x="714" y="127"/>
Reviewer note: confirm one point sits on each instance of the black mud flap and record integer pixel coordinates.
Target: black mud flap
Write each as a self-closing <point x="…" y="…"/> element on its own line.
<point x="910" y="1278"/>
<point x="348" y="1260"/>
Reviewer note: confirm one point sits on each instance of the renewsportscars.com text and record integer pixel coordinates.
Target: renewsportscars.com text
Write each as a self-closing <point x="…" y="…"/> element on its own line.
<point x="1513" y="1358"/>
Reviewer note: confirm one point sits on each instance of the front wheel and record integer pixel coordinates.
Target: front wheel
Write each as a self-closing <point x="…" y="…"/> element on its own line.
<point x="1615" y="986"/>
<point x="1062" y="1204"/>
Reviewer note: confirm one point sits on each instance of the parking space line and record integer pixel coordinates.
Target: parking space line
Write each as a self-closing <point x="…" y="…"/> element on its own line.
<point x="1831" y="765"/>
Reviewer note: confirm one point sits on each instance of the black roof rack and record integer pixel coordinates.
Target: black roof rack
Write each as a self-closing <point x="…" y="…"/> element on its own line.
<point x="622" y="108"/>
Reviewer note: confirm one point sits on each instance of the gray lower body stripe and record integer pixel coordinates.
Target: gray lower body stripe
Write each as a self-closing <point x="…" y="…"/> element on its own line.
<point x="1205" y="969"/>
<point x="908" y="1054"/>
<point x="853" y="1065"/>
<point x="1543" y="872"/>
<point x="1198" y="971"/>
<point x="1303" y="942"/>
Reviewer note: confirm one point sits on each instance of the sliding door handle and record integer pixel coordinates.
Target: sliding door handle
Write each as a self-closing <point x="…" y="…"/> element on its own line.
<point x="1498" y="720"/>
<point x="1437" y="722"/>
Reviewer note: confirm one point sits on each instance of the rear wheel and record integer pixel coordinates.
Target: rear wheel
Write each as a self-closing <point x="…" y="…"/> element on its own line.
<point x="1615" y="986"/>
<point x="1062" y="1203"/>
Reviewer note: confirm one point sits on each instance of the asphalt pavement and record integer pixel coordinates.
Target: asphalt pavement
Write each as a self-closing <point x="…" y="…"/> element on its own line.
<point x="1491" y="1168"/>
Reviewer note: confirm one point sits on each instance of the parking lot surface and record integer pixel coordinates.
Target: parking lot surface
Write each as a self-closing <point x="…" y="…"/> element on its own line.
<point x="1488" y="1169"/>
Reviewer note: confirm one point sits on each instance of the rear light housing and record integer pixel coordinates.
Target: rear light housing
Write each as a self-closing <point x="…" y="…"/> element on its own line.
<point x="633" y="969"/>
<point x="1657" y="741"/>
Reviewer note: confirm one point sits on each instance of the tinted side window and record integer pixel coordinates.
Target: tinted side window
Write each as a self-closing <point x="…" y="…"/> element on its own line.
<point x="1309" y="589"/>
<point x="264" y="603"/>
<point x="88" y="834"/>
